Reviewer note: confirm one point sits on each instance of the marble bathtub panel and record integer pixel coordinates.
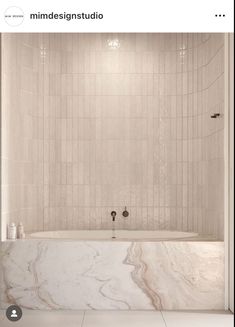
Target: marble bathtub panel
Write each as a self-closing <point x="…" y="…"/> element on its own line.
<point x="112" y="276"/>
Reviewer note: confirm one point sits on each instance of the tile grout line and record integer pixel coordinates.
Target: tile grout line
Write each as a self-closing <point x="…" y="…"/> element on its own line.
<point x="83" y="318"/>
<point x="163" y="319"/>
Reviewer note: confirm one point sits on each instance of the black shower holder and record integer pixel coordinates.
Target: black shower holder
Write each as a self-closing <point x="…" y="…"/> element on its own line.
<point x="215" y="115"/>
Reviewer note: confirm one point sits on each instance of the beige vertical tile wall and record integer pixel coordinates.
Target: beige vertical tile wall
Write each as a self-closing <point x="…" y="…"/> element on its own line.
<point x="213" y="147"/>
<point x="194" y="150"/>
<point x="124" y="120"/>
<point x="22" y="132"/>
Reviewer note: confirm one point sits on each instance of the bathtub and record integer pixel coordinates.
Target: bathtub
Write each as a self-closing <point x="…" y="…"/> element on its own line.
<point x="158" y="235"/>
<point x="88" y="270"/>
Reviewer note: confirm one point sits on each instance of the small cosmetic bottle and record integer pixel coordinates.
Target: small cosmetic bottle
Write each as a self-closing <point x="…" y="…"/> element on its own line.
<point x="20" y="231"/>
<point x="11" y="231"/>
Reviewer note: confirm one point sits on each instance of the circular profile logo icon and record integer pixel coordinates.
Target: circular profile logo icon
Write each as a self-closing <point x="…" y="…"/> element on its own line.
<point x="14" y="313"/>
<point x="14" y="16"/>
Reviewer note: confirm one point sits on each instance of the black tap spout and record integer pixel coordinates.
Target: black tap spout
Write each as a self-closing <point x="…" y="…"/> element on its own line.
<point x="113" y="214"/>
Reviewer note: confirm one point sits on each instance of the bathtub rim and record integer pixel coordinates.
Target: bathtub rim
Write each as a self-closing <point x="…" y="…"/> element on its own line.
<point x="196" y="237"/>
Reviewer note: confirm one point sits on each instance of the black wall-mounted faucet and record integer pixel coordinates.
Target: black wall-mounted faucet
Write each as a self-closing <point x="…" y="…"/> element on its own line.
<point x="113" y="214"/>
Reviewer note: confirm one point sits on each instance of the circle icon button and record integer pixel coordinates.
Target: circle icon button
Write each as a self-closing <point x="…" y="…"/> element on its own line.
<point x="14" y="313"/>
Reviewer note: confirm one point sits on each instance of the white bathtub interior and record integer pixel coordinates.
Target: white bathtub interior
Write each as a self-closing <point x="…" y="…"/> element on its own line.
<point x="110" y="234"/>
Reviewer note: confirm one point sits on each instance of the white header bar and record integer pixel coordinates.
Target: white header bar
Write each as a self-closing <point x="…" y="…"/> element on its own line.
<point x="117" y="16"/>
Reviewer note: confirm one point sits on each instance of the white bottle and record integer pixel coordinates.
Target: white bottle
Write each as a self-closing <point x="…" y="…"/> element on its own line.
<point x="20" y="231"/>
<point x="11" y="232"/>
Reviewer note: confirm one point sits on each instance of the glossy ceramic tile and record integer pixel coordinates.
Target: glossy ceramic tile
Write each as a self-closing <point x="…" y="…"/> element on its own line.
<point x="198" y="319"/>
<point x="123" y="318"/>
